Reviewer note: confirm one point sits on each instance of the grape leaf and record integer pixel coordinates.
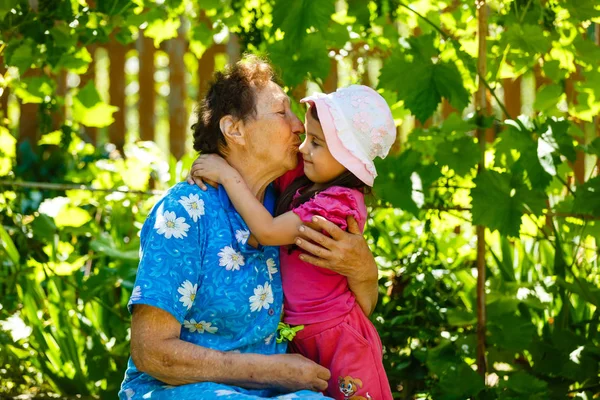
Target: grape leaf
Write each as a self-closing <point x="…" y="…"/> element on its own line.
<point x="461" y="155"/>
<point x="295" y="18"/>
<point x="499" y="201"/>
<point x="422" y="91"/>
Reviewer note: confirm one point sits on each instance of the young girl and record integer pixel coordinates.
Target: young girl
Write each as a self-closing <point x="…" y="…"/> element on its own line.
<point x="345" y="131"/>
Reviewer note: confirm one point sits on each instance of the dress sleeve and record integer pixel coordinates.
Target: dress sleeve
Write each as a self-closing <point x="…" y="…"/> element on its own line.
<point x="335" y="204"/>
<point x="171" y="252"/>
<point x="284" y="180"/>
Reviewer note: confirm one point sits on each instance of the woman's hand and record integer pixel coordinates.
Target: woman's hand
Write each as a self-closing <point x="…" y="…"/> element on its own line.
<point x="209" y="168"/>
<point x="346" y="253"/>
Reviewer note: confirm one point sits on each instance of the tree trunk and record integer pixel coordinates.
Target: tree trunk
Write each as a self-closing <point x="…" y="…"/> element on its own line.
<point x="177" y="112"/>
<point x="116" y="131"/>
<point x="481" y="105"/>
<point x="147" y="102"/>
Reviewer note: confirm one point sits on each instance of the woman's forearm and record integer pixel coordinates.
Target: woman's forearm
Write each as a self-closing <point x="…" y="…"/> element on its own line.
<point x="177" y="362"/>
<point x="366" y="293"/>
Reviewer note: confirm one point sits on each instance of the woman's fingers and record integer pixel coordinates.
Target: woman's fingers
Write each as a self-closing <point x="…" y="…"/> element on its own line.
<point x="332" y="229"/>
<point x="316" y="237"/>
<point x="315" y="250"/>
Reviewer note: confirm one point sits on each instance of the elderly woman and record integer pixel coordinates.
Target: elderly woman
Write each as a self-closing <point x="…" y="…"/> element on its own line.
<point x="208" y="299"/>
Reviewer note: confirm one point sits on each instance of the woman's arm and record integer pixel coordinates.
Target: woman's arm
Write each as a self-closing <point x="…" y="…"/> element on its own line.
<point x="157" y="350"/>
<point x="346" y="253"/>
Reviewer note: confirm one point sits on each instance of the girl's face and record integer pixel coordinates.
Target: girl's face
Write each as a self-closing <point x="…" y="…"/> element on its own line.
<point x="319" y="164"/>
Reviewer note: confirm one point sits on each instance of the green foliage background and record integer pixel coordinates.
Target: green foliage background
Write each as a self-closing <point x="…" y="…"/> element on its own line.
<point x="69" y="257"/>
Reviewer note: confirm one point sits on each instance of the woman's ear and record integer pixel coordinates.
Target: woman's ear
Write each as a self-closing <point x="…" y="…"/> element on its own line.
<point x="230" y="127"/>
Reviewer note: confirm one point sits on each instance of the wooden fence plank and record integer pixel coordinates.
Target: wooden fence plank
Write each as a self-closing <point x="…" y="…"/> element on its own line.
<point x="116" y="90"/>
<point x="147" y="99"/>
<point x="512" y="96"/>
<point x="177" y="95"/>
<point x="4" y="96"/>
<point x="331" y="83"/>
<point x="29" y="119"/>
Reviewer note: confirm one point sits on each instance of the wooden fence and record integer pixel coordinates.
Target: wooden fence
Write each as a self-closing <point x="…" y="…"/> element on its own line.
<point x="143" y="49"/>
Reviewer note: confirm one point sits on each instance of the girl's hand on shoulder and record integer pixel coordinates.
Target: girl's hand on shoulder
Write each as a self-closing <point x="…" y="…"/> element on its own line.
<point x="209" y="167"/>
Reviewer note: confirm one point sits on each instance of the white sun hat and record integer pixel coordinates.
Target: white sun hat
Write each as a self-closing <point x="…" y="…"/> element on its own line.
<point x="358" y="126"/>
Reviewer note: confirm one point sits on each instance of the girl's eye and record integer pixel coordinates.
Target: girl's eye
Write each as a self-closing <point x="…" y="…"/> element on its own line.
<point x="314" y="143"/>
<point x="281" y="112"/>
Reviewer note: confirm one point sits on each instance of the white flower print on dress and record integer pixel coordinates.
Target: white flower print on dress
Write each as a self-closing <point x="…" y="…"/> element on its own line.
<point x="194" y="205"/>
<point x="188" y="293"/>
<point x="242" y="235"/>
<point x="135" y="295"/>
<point x="199" y="327"/>
<point x="169" y="225"/>
<point x="271" y="267"/>
<point x="263" y="297"/>
<point x="129" y="393"/>
<point x="230" y="259"/>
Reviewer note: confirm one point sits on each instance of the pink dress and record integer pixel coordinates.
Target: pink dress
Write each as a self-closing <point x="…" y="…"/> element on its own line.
<point x="336" y="333"/>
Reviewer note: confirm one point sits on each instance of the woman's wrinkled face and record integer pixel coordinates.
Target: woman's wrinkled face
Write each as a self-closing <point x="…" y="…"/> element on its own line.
<point x="319" y="165"/>
<point x="274" y="134"/>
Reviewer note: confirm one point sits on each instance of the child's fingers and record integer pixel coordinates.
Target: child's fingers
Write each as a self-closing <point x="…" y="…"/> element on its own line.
<point x="200" y="183"/>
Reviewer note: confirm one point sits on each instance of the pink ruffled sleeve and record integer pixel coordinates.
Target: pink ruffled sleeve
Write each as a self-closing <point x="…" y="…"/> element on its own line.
<point x="284" y="180"/>
<point x="335" y="204"/>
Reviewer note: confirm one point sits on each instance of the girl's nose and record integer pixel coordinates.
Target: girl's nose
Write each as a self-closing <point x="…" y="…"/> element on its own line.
<point x="303" y="146"/>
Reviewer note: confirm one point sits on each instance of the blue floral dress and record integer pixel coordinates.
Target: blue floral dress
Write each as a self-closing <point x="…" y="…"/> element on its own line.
<point x="195" y="263"/>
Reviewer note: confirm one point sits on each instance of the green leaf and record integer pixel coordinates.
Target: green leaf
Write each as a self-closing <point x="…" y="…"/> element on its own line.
<point x="587" y="197"/>
<point x="360" y="10"/>
<point x="35" y="89"/>
<point x="583" y="10"/>
<point x="162" y="29"/>
<point x="548" y="97"/>
<point x="523" y="383"/>
<point x="400" y="182"/>
<point x="89" y="110"/>
<point x="108" y="248"/>
<point x="461" y="155"/>
<point x="22" y="56"/>
<point x="499" y="202"/>
<point x="529" y="38"/>
<point x="295" y="18"/>
<point x="9" y="246"/>
<point x="527" y="158"/>
<point x="201" y="37"/>
<point x="8" y="145"/>
<point x="76" y="62"/>
<point x="72" y="216"/>
<point x="6" y="6"/>
<point x="295" y="64"/>
<point x="424" y="90"/>
<point x="457" y="317"/>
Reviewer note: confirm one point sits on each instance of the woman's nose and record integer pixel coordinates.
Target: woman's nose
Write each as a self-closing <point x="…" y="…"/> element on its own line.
<point x="297" y="126"/>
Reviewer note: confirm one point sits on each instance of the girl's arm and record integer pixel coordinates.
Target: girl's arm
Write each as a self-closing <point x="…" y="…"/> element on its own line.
<point x="269" y="231"/>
